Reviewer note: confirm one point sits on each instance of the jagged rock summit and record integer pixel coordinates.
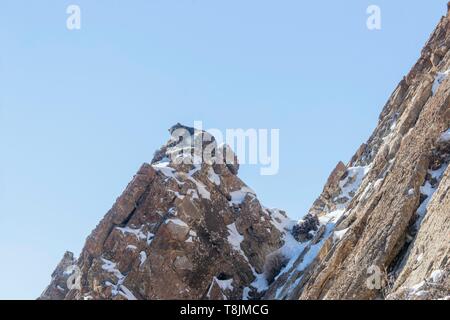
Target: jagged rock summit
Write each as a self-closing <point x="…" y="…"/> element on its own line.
<point x="180" y="230"/>
<point x="194" y="230"/>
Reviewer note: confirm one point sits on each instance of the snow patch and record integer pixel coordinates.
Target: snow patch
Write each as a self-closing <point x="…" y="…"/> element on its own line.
<point x="70" y="269"/>
<point x="339" y="235"/>
<point x="225" y="284"/>
<point x="142" y="257"/>
<point x="177" y="222"/>
<point x="445" y="136"/>
<point x="235" y="239"/>
<point x="350" y="185"/>
<point x="331" y="217"/>
<point x="308" y="258"/>
<point x="150" y="237"/>
<point x="119" y="288"/>
<point x="238" y="197"/>
<point x="260" y="282"/>
<point x="197" y="168"/>
<point x="137" y="232"/>
<point x="193" y="194"/>
<point x="439" y="79"/>
<point x="111" y="267"/>
<point x="436" y="276"/>
<point x="126" y="293"/>
<point x="280" y="221"/>
<point x="177" y="194"/>
<point x="213" y="177"/>
<point x="167" y="171"/>
<point x="419" y="258"/>
<point x="246" y="294"/>
<point x="428" y="190"/>
<point x="192" y="233"/>
<point x="201" y="188"/>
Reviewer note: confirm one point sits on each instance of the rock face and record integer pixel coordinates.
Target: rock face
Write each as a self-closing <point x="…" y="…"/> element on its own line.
<point x="58" y="288"/>
<point x="180" y="230"/>
<point x="384" y="219"/>
<point x="379" y="230"/>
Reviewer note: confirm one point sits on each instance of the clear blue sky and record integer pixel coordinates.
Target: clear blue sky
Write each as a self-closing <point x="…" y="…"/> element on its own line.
<point x="82" y="110"/>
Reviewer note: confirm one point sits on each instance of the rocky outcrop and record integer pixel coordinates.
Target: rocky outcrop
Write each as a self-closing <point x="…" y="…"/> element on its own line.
<point x="182" y="229"/>
<point x="424" y="269"/>
<point x="58" y="288"/>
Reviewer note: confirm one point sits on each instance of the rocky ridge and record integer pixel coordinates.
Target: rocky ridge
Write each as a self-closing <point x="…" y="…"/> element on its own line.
<point x="181" y="230"/>
<point x="381" y="226"/>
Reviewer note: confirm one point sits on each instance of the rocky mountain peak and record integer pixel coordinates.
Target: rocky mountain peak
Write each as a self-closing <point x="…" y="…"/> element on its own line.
<point x="188" y="148"/>
<point x="184" y="228"/>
